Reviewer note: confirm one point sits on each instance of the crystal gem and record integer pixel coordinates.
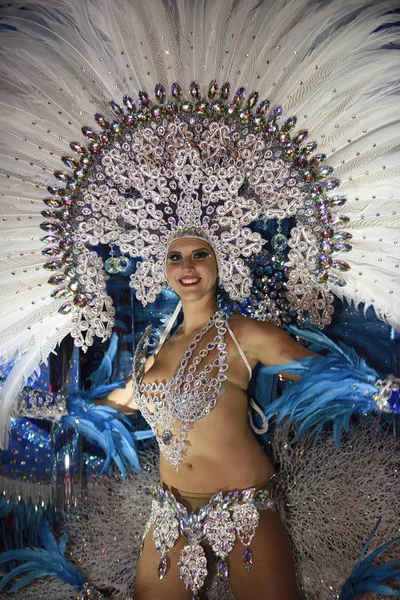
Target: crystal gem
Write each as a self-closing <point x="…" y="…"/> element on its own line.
<point x="111" y="265"/>
<point x="278" y="261"/>
<point x="279" y="241"/>
<point x="176" y="90"/>
<point x="123" y="264"/>
<point x="247" y="559"/>
<point x="167" y="437"/>
<point x="162" y="567"/>
<point x="222" y="570"/>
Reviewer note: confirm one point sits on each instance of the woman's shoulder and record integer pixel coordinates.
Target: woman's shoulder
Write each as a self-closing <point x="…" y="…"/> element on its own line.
<point x="248" y="331"/>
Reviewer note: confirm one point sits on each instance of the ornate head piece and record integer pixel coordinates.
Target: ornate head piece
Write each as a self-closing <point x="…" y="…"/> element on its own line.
<point x="210" y="167"/>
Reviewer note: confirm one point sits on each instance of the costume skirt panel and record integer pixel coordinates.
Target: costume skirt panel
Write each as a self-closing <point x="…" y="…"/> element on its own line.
<point x="329" y="501"/>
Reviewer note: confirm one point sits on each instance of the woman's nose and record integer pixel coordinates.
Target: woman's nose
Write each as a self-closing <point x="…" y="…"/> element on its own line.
<point x="188" y="262"/>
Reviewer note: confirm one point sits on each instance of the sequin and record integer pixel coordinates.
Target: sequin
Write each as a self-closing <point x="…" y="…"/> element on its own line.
<point x="186" y="397"/>
<point x="219" y="522"/>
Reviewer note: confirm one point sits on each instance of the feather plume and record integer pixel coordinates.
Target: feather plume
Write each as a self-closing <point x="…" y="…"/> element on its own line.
<point x="104" y="426"/>
<point x="330" y="391"/>
<point x="40" y="562"/>
<point x="369" y="578"/>
<point x="332" y="64"/>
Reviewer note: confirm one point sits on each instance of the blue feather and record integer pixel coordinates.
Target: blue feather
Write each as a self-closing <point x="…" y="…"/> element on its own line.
<point x="103" y="373"/>
<point x="368" y="578"/>
<point x="332" y="388"/>
<point x="47" y="561"/>
<point x="105" y="426"/>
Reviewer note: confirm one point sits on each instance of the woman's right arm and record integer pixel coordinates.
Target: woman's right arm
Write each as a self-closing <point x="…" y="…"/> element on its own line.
<point x="122" y="398"/>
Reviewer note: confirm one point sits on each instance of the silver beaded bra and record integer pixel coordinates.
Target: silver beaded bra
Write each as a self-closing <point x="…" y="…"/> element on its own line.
<point x="190" y="395"/>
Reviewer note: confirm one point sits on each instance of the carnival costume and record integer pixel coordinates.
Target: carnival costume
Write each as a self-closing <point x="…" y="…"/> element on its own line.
<point x="210" y="141"/>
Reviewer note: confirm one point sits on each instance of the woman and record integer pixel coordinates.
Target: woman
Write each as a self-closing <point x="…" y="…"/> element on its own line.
<point x="222" y="453"/>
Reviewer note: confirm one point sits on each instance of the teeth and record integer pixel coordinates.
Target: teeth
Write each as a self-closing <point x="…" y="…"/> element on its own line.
<point x="190" y="280"/>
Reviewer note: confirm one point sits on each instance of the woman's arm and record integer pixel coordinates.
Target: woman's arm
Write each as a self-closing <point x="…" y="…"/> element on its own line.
<point x="122" y="398"/>
<point x="268" y="344"/>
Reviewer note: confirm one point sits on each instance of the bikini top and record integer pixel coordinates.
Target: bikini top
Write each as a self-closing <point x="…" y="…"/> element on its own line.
<point x="190" y="394"/>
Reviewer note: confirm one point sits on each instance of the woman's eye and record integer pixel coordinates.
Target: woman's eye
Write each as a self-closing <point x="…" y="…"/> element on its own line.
<point x="201" y="254"/>
<point x="174" y="257"/>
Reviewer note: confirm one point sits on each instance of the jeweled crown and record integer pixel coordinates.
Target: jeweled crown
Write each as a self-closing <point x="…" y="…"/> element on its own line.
<point x="213" y="165"/>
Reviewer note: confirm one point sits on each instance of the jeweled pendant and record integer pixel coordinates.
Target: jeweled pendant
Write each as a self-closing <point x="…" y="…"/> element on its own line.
<point x="66" y="308"/>
<point x="89" y="133"/>
<point x="111" y="265"/>
<point x="50" y="227"/>
<point x="51" y="251"/>
<point x="310" y="147"/>
<point x="337" y="201"/>
<point x="279" y="241"/>
<point x="56" y="190"/>
<point x="53" y="265"/>
<point x="317" y="160"/>
<point x="56" y="202"/>
<point x="331" y="184"/>
<point x="222" y="570"/>
<point x="324" y="172"/>
<point x="167" y="437"/>
<point x="239" y="96"/>
<point x="144" y="99"/>
<point x="162" y="567"/>
<point x="275" y="113"/>
<point x="247" y="559"/>
<point x="123" y="264"/>
<point x="70" y="162"/>
<point x="341" y="265"/>
<point x="300" y="137"/>
<point x="341" y="236"/>
<point x="100" y="120"/>
<point x="289" y="124"/>
<point x="60" y="293"/>
<point x="56" y="279"/>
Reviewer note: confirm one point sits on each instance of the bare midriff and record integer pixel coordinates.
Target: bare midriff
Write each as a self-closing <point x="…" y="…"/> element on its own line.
<point x="223" y="454"/>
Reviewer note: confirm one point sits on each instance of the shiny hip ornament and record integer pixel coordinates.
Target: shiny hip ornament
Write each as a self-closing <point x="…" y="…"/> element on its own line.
<point x="219" y="523"/>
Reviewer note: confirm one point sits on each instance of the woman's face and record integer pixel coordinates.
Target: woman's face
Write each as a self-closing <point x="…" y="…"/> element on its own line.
<point x="191" y="268"/>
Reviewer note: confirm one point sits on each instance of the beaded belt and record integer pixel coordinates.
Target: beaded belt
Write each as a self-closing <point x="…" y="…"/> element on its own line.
<point x="219" y="522"/>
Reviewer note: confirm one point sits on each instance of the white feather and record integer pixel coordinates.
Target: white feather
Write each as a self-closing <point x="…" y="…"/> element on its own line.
<point x="329" y="63"/>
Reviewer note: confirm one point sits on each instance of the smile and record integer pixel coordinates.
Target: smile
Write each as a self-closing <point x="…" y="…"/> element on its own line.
<point x="189" y="281"/>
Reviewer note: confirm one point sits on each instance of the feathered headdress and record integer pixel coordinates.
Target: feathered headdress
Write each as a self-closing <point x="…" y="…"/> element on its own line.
<point x="201" y="155"/>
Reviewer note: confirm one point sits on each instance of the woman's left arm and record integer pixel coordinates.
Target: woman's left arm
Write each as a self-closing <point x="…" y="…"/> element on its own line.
<point x="268" y="344"/>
